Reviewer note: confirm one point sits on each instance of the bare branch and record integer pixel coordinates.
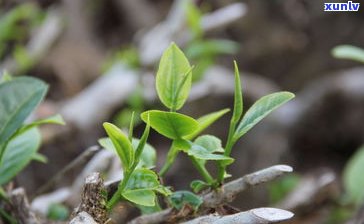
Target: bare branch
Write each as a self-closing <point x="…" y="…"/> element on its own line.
<point x="21" y="208"/>
<point x="254" y="216"/>
<point x="85" y="156"/>
<point x="93" y="199"/>
<point x="225" y="195"/>
<point x="231" y="189"/>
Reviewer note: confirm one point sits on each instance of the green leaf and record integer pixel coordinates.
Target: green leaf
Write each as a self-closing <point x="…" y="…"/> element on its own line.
<point x="5" y="77"/>
<point x="55" y="119"/>
<point x="149" y="209"/>
<point x="261" y="109"/>
<point x="142" y="197"/>
<point x="173" y="68"/>
<point x="142" y="143"/>
<point x="122" y="145"/>
<point x="148" y="157"/>
<point x="170" y="124"/>
<point x="181" y="198"/>
<point x="348" y="52"/>
<point x="19" y="152"/>
<point x="40" y="158"/>
<point x="238" y="97"/>
<point x="18" y="98"/>
<point x="205" y="154"/>
<point x="58" y="212"/>
<point x="198" y="185"/>
<point x="210" y="142"/>
<point x="193" y="16"/>
<point x="353" y="177"/>
<point x="142" y="179"/>
<point x="205" y="121"/>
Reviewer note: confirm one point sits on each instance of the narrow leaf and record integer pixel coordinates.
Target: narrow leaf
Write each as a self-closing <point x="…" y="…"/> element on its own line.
<point x="131" y="126"/>
<point x="261" y="109"/>
<point x="349" y="52"/>
<point x="238" y="97"/>
<point x="172" y="68"/>
<point x="121" y="143"/>
<point x="142" y="142"/>
<point x="40" y="158"/>
<point x="205" y="121"/>
<point x="170" y="124"/>
<point x="55" y="119"/>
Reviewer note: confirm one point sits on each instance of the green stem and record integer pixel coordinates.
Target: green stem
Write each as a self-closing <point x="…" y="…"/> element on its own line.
<point x="229" y="145"/>
<point x="171" y="157"/>
<point x="202" y="170"/>
<point x="118" y="194"/>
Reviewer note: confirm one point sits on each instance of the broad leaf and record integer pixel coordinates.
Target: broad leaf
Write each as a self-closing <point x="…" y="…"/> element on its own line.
<point x="18" y="98"/>
<point x="142" y="197"/>
<point x="204" y="154"/>
<point x="353" y="177"/>
<point x="181" y="198"/>
<point x="173" y="81"/>
<point x="143" y="179"/>
<point x="170" y="124"/>
<point x="19" y="152"/>
<point x="210" y="142"/>
<point x="261" y="109"/>
<point x="349" y="52"/>
<point x="122" y="145"/>
<point x="205" y="121"/>
<point x="148" y="157"/>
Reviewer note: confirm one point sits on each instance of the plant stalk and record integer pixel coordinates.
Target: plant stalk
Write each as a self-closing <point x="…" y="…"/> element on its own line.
<point x="202" y="170"/>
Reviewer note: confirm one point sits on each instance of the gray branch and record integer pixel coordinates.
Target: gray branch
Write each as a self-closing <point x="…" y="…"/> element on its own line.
<point x="225" y="195"/>
<point x="258" y="216"/>
<point x="21" y="208"/>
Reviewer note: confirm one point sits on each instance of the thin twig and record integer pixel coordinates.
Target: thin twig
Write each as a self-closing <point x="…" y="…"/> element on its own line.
<point x="85" y="156"/>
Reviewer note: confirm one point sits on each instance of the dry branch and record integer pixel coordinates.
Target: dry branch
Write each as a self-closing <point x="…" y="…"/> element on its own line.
<point x="93" y="199"/>
<point x="254" y="216"/>
<point x="225" y="195"/>
<point x="82" y="158"/>
<point x="20" y="207"/>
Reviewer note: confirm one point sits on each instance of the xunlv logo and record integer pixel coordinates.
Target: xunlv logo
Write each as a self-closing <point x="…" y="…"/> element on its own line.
<point x="348" y="6"/>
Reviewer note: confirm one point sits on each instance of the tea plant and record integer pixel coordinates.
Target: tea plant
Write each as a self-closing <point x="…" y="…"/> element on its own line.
<point x="173" y="82"/>
<point x="20" y="141"/>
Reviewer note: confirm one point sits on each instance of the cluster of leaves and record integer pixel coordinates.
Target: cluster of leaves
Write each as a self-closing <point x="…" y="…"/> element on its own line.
<point x="173" y="84"/>
<point x="201" y="50"/>
<point x="20" y="141"/>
